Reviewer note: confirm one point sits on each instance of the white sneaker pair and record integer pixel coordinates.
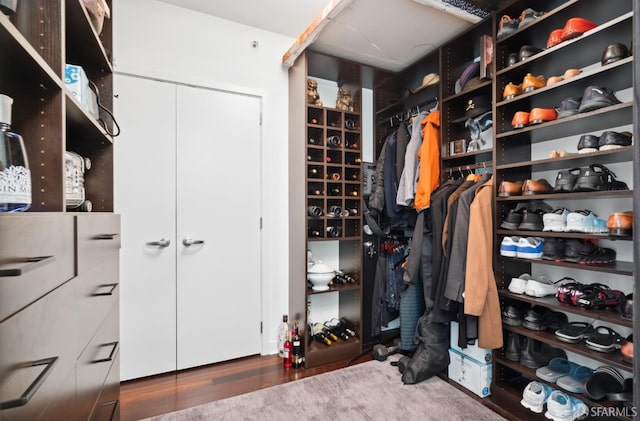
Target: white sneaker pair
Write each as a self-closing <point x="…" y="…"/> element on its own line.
<point x="540" y="286"/>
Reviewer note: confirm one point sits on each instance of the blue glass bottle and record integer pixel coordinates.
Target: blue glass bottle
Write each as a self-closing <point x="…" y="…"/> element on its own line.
<point x="15" y="177"/>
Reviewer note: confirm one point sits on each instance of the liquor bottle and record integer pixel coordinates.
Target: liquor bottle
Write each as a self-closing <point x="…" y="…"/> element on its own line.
<point x="333" y="141"/>
<point x="15" y="176"/>
<point x="296" y="343"/>
<point x="333" y="231"/>
<point x="283" y="328"/>
<point x="318" y="335"/>
<point x="288" y="350"/>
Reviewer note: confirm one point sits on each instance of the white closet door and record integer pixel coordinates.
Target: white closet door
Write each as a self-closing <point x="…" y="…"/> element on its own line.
<point x="218" y="204"/>
<point x="145" y="197"/>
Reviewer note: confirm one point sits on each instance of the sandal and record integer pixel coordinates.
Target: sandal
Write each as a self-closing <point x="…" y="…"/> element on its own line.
<point x="599" y="295"/>
<point x="575" y="332"/>
<point x="605" y="380"/>
<point x="604" y="339"/>
<point x="565" y="290"/>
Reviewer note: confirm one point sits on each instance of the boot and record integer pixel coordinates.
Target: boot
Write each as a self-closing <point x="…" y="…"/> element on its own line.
<point x="513" y="347"/>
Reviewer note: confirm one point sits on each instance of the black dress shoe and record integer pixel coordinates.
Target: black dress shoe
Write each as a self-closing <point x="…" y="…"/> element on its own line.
<point x="527" y="51"/>
<point x="613" y="53"/>
<point x="513" y="312"/>
<point x="531" y="221"/>
<point x="513" y="348"/>
<point x="588" y="143"/>
<point x="537" y="354"/>
<point x="614" y="140"/>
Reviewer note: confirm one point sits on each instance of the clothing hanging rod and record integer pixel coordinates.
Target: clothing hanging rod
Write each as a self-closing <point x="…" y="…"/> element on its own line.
<point x="468" y="168"/>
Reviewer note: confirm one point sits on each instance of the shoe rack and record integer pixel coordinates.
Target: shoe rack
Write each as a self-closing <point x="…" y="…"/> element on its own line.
<point x="524" y="153"/>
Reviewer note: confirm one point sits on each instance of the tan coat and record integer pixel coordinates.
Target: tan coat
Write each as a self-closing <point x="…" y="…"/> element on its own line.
<point x="481" y="292"/>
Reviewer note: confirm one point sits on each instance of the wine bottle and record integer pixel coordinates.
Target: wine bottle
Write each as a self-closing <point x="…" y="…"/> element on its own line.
<point x="348" y="326"/>
<point x="315" y="211"/>
<point x="283" y="328"/>
<point x="339" y="333"/>
<point x="296" y="343"/>
<point x="318" y="335"/>
<point x="314" y="233"/>
<point x="315" y="192"/>
<point x="344" y="278"/>
<point x="349" y="124"/>
<point x="288" y="350"/>
<point x="333" y="141"/>
<point x="333" y="231"/>
<point x="335" y="211"/>
<point x="329" y="334"/>
<point x="334" y="176"/>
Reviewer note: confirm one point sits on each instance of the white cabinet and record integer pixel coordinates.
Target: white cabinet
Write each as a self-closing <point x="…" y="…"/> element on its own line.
<point x="188" y="187"/>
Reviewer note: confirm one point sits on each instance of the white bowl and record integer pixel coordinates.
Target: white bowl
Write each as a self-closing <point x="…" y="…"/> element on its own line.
<point x="320" y="275"/>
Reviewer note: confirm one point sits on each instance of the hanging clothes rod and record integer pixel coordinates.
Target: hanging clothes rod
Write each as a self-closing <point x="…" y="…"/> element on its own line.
<point x="406" y="114"/>
<point x="468" y="168"/>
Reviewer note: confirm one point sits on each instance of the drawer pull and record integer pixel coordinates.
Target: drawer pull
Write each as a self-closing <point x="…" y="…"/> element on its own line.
<point x="101" y="293"/>
<point x="106" y="236"/>
<point x="33" y="387"/>
<point x="28" y="263"/>
<point x="114" y="346"/>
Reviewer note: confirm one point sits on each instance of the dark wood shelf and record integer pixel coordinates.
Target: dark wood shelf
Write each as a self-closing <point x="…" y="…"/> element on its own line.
<point x="619" y="267"/>
<point x="465" y="94"/>
<point x="623" y="154"/>
<point x="546" y="234"/>
<point x="577" y="195"/>
<point x="552" y="303"/>
<point x="613" y="359"/>
<point x="84" y="46"/>
<point x="336" y="288"/>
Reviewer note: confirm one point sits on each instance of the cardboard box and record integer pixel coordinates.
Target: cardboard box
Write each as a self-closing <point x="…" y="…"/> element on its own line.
<point x="75" y="79"/>
<point x="484" y="356"/>
<point x="470" y="373"/>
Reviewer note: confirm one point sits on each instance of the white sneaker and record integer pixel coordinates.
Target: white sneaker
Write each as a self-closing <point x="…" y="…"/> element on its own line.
<point x="535" y="395"/>
<point x="518" y="285"/>
<point x="562" y="407"/>
<point x="541" y="286"/>
<point x="555" y="221"/>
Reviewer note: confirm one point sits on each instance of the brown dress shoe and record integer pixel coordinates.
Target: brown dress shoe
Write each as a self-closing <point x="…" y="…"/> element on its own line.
<point x="541" y="186"/>
<point x="520" y="119"/>
<point x="620" y="224"/>
<point x="626" y="350"/>
<point x="510" y="188"/>
<point x="531" y="82"/>
<point x="511" y="91"/>
<point x="540" y="115"/>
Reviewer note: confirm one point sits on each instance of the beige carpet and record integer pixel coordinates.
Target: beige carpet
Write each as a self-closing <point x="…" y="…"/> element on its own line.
<point x="369" y="391"/>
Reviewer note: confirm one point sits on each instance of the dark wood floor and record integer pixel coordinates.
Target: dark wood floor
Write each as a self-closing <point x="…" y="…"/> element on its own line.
<point x="171" y="392"/>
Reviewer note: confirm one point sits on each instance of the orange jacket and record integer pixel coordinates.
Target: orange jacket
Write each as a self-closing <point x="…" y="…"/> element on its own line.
<point x="429" y="156"/>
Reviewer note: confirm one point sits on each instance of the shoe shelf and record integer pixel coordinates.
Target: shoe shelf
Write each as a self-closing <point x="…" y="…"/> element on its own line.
<point x="578" y="195"/>
<point x="482" y="87"/>
<point x="530" y="374"/>
<point x="552" y="303"/>
<point x="623" y="154"/>
<point x="618" y="268"/>
<point x="509" y="233"/>
<point x="613" y="359"/>
<point x="601" y="119"/>
<point x="337" y="288"/>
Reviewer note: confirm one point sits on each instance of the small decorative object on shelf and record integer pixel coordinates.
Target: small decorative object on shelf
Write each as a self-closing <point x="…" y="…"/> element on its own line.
<point x="313" y="97"/>
<point x="344" y="101"/>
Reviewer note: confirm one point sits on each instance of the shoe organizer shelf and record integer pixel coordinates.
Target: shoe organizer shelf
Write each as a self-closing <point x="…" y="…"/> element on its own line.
<point x="325" y="211"/>
<point x="525" y="153"/>
<point x="456" y="56"/>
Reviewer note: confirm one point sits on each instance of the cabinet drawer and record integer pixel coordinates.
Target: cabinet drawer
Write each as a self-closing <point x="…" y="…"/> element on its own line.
<point x="108" y="405"/>
<point x="98" y="237"/>
<point x="97" y="290"/>
<point x="94" y="363"/>
<point x="36" y="255"/>
<point x="36" y="350"/>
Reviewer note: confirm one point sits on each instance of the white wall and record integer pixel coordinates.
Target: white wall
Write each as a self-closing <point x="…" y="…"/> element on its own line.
<point x="159" y="40"/>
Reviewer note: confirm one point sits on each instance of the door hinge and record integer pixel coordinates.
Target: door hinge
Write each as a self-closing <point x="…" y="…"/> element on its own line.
<point x="260" y="327"/>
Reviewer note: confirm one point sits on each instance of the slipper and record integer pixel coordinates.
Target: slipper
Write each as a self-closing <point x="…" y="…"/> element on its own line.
<point x="605" y="380"/>
<point x="626" y="395"/>
<point x="604" y="339"/>
<point x="558" y="367"/>
<point x="575" y="381"/>
<point x="575" y="332"/>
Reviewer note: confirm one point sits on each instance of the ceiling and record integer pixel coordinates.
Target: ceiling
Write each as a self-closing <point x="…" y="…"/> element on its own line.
<point x="387" y="34"/>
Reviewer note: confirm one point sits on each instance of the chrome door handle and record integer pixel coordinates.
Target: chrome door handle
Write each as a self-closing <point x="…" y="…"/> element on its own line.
<point x="162" y="243"/>
<point x="188" y="241"/>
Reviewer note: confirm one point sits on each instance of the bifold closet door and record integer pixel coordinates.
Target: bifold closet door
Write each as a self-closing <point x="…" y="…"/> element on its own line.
<point x="145" y="185"/>
<point x="218" y="204"/>
<point x="187" y="184"/>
